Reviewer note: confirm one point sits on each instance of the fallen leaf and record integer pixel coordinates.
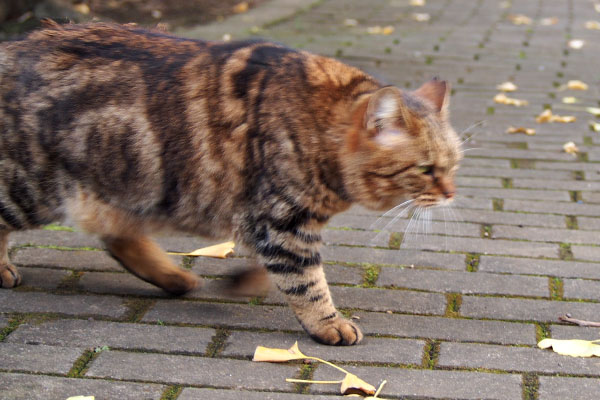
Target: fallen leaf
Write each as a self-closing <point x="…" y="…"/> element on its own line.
<point x="594" y="25"/>
<point x="595" y="126"/>
<point x="570" y="148"/>
<point x="572" y="347"/>
<point x="82" y="8"/>
<point x="547" y="116"/>
<point x="597" y="7"/>
<point x="503" y="99"/>
<point x="421" y="17"/>
<point x="350" y="22"/>
<point x="267" y="354"/>
<point x="240" y="8"/>
<point x="576" y="85"/>
<point x="527" y="131"/>
<point x="227" y="37"/>
<point x="221" y="250"/>
<point x="594" y="111"/>
<point x="378" y="30"/>
<point x="417" y="3"/>
<point x="570" y="100"/>
<point x="353" y="383"/>
<point x="520" y="19"/>
<point x="507" y="87"/>
<point x="549" y="21"/>
<point x="576" y="44"/>
<point x="82" y="398"/>
<point x="387" y="30"/>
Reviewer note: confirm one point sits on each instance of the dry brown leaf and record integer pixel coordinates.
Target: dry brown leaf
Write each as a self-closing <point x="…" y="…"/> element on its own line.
<point x="521" y="129"/>
<point x="594" y="25"/>
<point x="549" y="21"/>
<point x="547" y="116"/>
<point x="503" y="99"/>
<point x="352" y="383"/>
<point x="421" y="17"/>
<point x="507" y="87"/>
<point x="267" y="354"/>
<point x="520" y="19"/>
<point x="221" y="250"/>
<point x="570" y="148"/>
<point x="240" y="8"/>
<point x="576" y="44"/>
<point x="572" y="347"/>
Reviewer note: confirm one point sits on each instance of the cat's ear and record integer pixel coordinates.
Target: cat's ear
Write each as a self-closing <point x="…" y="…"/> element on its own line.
<point x="436" y="92"/>
<point x="385" y="119"/>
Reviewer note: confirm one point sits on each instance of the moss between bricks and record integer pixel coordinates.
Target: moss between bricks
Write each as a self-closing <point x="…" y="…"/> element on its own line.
<point x="571" y="222"/>
<point x="472" y="261"/>
<point x="431" y="354"/>
<point x="171" y="392"/>
<point x="306" y="372"/>
<point x="217" y="345"/>
<point x="564" y="252"/>
<point x="395" y="240"/>
<point x="556" y="288"/>
<point x="370" y="275"/>
<point x="531" y="385"/>
<point x="454" y="300"/>
<point x="81" y="364"/>
<point x="542" y="331"/>
<point x="13" y="324"/>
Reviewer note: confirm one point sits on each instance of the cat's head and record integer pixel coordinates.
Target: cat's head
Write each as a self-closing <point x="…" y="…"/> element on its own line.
<point x="402" y="147"/>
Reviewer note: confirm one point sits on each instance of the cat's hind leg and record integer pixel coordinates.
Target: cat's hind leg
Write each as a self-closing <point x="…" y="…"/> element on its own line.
<point x="9" y="275"/>
<point x="144" y="258"/>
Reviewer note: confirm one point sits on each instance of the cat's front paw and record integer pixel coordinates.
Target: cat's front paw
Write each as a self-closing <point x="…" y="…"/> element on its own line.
<point x="338" y="332"/>
<point x="9" y="276"/>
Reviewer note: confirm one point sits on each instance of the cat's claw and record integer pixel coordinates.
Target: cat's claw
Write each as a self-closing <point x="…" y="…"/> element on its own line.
<point x="338" y="332"/>
<point x="9" y="276"/>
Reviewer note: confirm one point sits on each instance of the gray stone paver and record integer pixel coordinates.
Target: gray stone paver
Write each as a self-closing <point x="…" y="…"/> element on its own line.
<point x="532" y="196"/>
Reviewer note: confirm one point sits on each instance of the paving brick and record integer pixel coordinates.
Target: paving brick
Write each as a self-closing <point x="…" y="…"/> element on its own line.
<point x="517" y="194"/>
<point x="478" y="182"/>
<point x="544" y="234"/>
<point x="412" y="326"/>
<point x="221" y="314"/>
<point x="38" y="358"/>
<point x="554" y="387"/>
<point x="40" y="387"/>
<point x="355" y="238"/>
<point x="219" y="394"/>
<point x="463" y="282"/>
<point x="581" y="289"/>
<point x="440" y="384"/>
<point x="524" y="309"/>
<point x="42" y="237"/>
<point x="43" y="278"/>
<point x="520" y="154"/>
<point x="79" y="260"/>
<point x="441" y="226"/>
<point x="574" y="332"/>
<point x="381" y="350"/>
<point x="91" y="334"/>
<point x="485" y="162"/>
<point x="552" y="207"/>
<point x="590" y="197"/>
<point x="555" y="184"/>
<point x="511" y="218"/>
<point x="80" y="305"/>
<point x="189" y="370"/>
<point x="566" y="269"/>
<point x="393" y="257"/>
<point x="485" y="246"/>
<point x="517" y="359"/>
<point x="586" y="253"/>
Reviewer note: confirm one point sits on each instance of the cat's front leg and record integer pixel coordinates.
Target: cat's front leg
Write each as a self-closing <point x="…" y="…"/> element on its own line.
<point x="298" y="273"/>
<point x="9" y="275"/>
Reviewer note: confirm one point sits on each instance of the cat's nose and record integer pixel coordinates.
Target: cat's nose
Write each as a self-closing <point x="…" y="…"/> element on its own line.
<point x="449" y="194"/>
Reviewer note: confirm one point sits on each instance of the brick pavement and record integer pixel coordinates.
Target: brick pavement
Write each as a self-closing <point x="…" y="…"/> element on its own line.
<point x="453" y="315"/>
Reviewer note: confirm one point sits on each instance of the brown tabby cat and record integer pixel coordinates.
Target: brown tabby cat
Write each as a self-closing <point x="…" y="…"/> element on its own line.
<point x="127" y="132"/>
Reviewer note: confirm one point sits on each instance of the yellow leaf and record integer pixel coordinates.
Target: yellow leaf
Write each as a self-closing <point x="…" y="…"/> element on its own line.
<point x="597" y="7"/>
<point x="503" y="99"/>
<point x="521" y="129"/>
<point x="595" y="25"/>
<point x="82" y="398"/>
<point x="549" y="21"/>
<point x="570" y="148"/>
<point x="547" y="116"/>
<point x="421" y="17"/>
<point x="241" y="7"/>
<point x="573" y="347"/>
<point x="576" y="85"/>
<point x="221" y="250"/>
<point x="374" y="30"/>
<point x="593" y="110"/>
<point x="507" y="87"/>
<point x="82" y="8"/>
<point x="576" y="44"/>
<point x="388" y="30"/>
<point x="520" y="19"/>
<point x="417" y="3"/>
<point x="595" y="126"/>
<point x="277" y="355"/>
<point x="569" y="100"/>
<point x="353" y="383"/>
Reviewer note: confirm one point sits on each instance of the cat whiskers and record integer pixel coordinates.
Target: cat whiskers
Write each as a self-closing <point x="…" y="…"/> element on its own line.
<point x="403" y="210"/>
<point x="475" y="125"/>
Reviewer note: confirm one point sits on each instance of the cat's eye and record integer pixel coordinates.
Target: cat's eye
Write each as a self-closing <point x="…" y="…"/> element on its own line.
<point x="426" y="169"/>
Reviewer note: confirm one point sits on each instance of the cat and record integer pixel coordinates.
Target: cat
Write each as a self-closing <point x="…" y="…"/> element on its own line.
<point x="127" y="132"/>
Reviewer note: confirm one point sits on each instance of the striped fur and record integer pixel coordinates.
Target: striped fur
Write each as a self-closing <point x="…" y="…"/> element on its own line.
<point x="127" y="132"/>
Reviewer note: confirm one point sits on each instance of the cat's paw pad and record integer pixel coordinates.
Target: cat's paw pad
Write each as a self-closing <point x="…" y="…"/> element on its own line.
<point x="9" y="276"/>
<point x="338" y="332"/>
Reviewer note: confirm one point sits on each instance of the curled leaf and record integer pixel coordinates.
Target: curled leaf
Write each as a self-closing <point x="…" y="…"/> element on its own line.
<point x="575" y="85"/>
<point x="570" y="148"/>
<point x="521" y="129"/>
<point x="507" y="87"/>
<point x="594" y="25"/>
<point x="572" y="347"/>
<point x="267" y="354"/>
<point x="547" y="116"/>
<point x="221" y="250"/>
<point x="501" y="98"/>
<point x="353" y="383"/>
<point x="520" y="19"/>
